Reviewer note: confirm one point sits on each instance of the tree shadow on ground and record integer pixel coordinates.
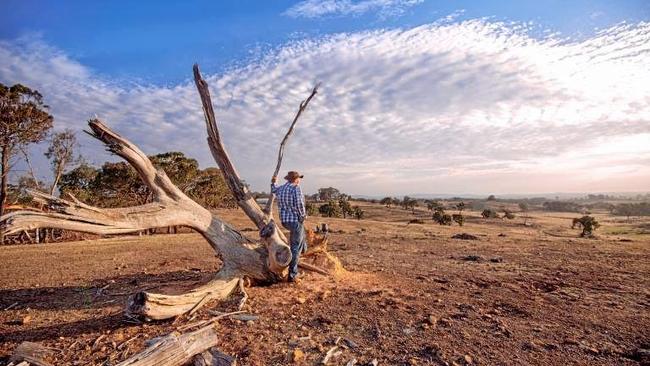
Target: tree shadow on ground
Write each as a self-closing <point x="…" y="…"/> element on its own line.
<point x="101" y="293"/>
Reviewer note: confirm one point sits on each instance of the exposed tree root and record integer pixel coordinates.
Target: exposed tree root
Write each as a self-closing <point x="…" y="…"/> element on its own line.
<point x="158" y="306"/>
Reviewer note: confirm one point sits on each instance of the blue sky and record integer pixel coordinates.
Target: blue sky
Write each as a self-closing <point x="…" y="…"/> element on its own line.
<point x="418" y="96"/>
<point x="154" y="41"/>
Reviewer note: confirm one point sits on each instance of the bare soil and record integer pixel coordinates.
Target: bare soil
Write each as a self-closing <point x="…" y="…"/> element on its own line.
<point x="519" y="295"/>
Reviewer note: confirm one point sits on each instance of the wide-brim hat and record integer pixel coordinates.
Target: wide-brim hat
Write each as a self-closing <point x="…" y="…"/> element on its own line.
<point x="291" y="176"/>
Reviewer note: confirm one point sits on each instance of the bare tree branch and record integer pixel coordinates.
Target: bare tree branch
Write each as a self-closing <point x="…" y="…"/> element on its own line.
<point x="301" y="108"/>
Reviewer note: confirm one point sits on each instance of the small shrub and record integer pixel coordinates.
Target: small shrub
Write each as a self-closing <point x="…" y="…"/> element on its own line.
<point x="588" y="225"/>
<point x="508" y="215"/>
<point x="311" y="210"/>
<point x="358" y="212"/>
<point x="330" y="209"/>
<point x="489" y="214"/>
<point x="459" y="219"/>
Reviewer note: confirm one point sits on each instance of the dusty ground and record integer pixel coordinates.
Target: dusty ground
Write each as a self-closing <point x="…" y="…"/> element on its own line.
<point x="520" y="295"/>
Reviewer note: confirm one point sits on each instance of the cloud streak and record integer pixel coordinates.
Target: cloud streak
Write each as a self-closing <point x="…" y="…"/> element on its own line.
<point x="328" y="8"/>
<point x="474" y="106"/>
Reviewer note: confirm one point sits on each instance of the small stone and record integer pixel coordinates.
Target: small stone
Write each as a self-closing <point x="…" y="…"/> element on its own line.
<point x="432" y="320"/>
<point x="468" y="359"/>
<point x="297" y="355"/>
<point x="26" y="319"/>
<point x="300" y="300"/>
<point x="324" y="295"/>
<point x="413" y="361"/>
<point x="532" y="345"/>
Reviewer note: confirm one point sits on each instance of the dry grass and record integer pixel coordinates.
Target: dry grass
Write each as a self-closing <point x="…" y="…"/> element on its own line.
<point x="520" y="294"/>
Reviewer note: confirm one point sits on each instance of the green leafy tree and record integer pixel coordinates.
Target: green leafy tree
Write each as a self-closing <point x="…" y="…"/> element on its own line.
<point x="489" y="214"/>
<point x="60" y="152"/>
<point x="588" y="225"/>
<point x="441" y="217"/>
<point x="346" y="208"/>
<point x="386" y="201"/>
<point x="310" y="208"/>
<point x="78" y="182"/>
<point x="358" y="212"/>
<point x="24" y="120"/>
<point x="209" y="189"/>
<point x="330" y="209"/>
<point x="329" y="193"/>
<point x="459" y="219"/>
<point x="118" y="185"/>
<point x="432" y="205"/>
<point x="180" y="169"/>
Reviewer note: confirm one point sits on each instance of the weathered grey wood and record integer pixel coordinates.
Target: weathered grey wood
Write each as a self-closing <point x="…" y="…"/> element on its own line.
<point x="279" y="253"/>
<point x="171" y="207"/>
<point x="174" y="349"/>
<point x="32" y="353"/>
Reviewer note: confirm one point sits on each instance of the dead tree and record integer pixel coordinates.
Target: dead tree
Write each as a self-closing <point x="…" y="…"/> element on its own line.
<point x="263" y="261"/>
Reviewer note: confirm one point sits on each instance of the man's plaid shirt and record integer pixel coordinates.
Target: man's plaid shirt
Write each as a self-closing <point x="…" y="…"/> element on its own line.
<point x="291" y="202"/>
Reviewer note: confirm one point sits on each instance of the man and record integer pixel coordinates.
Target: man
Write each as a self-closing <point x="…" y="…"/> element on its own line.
<point x="292" y="215"/>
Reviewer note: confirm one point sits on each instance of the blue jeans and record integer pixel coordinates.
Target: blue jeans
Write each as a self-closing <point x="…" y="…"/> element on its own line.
<point x="298" y="244"/>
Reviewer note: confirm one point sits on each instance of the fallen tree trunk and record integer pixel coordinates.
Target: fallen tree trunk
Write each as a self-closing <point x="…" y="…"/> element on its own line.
<point x="263" y="261"/>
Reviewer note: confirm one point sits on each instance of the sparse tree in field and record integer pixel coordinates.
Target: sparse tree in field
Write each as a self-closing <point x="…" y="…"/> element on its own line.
<point x="24" y="120"/>
<point x="330" y="209"/>
<point x="386" y="201"/>
<point x="489" y="214"/>
<point x="310" y="208"/>
<point x="344" y="205"/>
<point x="329" y="193"/>
<point x="410" y="203"/>
<point x="508" y="215"/>
<point x="523" y="206"/>
<point x="358" y="212"/>
<point x="441" y="217"/>
<point x="459" y="219"/>
<point x="632" y="209"/>
<point x="60" y="152"/>
<point x="406" y="201"/>
<point x="460" y="206"/>
<point x="491" y="198"/>
<point x="432" y="205"/>
<point x="588" y="225"/>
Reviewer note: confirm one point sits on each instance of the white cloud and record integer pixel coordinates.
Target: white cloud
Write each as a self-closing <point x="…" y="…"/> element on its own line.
<point x="323" y="8"/>
<point x="475" y="106"/>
